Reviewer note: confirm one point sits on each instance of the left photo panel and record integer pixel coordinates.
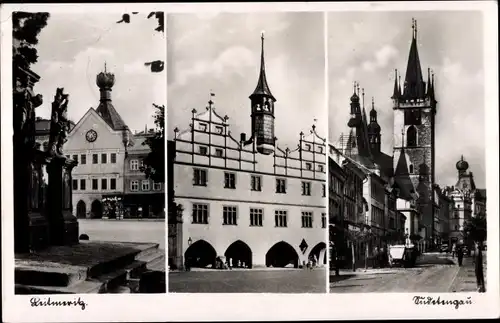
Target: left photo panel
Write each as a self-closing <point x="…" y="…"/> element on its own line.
<point x="88" y="152"/>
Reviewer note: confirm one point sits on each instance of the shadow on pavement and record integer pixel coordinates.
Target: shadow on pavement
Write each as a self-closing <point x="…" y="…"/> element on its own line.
<point x="344" y="286"/>
<point x="334" y="279"/>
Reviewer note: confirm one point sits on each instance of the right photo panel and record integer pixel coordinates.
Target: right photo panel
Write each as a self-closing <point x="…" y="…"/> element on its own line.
<point x="407" y="197"/>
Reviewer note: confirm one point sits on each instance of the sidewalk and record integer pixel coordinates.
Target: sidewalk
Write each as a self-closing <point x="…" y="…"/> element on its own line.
<point x="245" y="269"/>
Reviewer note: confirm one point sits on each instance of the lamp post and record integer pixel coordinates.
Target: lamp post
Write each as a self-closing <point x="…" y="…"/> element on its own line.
<point x="190" y="241"/>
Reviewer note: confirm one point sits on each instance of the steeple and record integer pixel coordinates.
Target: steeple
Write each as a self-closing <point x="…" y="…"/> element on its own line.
<point x="414" y="86"/>
<point x="395" y="92"/>
<point x="374" y="130"/>
<point x="105" y="82"/>
<point x="262" y="88"/>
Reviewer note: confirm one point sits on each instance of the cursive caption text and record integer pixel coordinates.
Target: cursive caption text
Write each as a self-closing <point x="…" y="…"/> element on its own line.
<point x="429" y="300"/>
<point x="42" y="302"/>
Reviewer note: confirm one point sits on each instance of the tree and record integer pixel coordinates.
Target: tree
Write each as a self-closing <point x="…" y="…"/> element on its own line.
<point x="156" y="66"/>
<point x="26" y="27"/>
<point x="363" y="235"/>
<point x="154" y="163"/>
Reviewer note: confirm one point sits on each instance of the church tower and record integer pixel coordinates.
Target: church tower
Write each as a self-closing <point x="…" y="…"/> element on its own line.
<point x="262" y="102"/>
<point x="414" y="131"/>
<point x="374" y="130"/>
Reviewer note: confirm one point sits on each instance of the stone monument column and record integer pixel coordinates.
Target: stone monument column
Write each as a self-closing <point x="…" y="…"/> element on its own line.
<point x="30" y="225"/>
<point x="62" y="223"/>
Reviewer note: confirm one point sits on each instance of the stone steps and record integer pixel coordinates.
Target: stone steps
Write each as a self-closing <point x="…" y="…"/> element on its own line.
<point x="118" y="274"/>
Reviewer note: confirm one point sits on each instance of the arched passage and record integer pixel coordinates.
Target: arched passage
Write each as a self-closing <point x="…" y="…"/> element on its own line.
<point x="200" y="254"/>
<point x="282" y="254"/>
<point x="239" y="251"/>
<point x="96" y="209"/>
<point x="319" y="251"/>
<point x="81" y="210"/>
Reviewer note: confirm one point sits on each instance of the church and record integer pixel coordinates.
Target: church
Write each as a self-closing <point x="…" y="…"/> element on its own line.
<point x="247" y="201"/>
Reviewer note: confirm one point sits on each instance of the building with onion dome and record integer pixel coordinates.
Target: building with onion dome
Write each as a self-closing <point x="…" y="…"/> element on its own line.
<point x="247" y="199"/>
<point x="108" y="153"/>
<point x="468" y="201"/>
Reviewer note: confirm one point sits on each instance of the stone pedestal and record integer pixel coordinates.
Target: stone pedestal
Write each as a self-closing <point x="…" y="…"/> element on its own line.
<point x="63" y="224"/>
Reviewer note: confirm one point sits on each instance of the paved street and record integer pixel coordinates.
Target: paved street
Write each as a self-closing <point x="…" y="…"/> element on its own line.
<point x="249" y="281"/>
<point x="124" y="230"/>
<point x="433" y="273"/>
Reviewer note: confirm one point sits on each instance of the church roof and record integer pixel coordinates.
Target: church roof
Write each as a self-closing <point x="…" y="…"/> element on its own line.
<point x="385" y="163"/>
<point x="262" y="87"/>
<point x="414" y="85"/>
<point x="402" y="178"/>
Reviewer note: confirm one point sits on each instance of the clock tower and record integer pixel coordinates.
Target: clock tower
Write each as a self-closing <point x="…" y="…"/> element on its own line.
<point x="262" y="106"/>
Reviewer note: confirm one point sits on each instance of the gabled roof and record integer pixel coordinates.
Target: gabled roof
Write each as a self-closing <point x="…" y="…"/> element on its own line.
<point x="107" y="112"/>
<point x="402" y="178"/>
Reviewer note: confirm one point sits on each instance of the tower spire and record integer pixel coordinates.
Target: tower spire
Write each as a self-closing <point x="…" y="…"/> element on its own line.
<point x="414" y="86"/>
<point x="395" y="93"/>
<point x="262" y="88"/>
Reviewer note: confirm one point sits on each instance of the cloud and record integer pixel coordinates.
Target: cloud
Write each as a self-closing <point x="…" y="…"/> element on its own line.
<point x="381" y="59"/>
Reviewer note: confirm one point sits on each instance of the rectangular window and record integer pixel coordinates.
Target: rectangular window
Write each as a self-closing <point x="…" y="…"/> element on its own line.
<point x="308" y="166"/>
<point x="113" y="158"/>
<point x="280" y="218"/>
<point x="145" y="185"/>
<point x="199" y="177"/>
<point x="94" y="159"/>
<point x="256" y="217"/>
<point x="306" y="188"/>
<point x="75" y="184"/>
<point x="280" y="185"/>
<point x="83" y="159"/>
<point x="323" y="220"/>
<point x="104" y="183"/>
<point x="219" y="130"/>
<point x="134" y="185"/>
<point x="307" y="219"/>
<point x="104" y="158"/>
<point x="75" y="158"/>
<point x="134" y="164"/>
<point x="229" y="215"/>
<point x="157" y="186"/>
<point x="203" y="150"/>
<point x="95" y="184"/>
<point x="218" y="152"/>
<point x="112" y="183"/>
<point x="229" y="180"/>
<point x="324" y="190"/>
<point x="321" y="168"/>
<point x="203" y="127"/>
<point x="256" y="182"/>
<point x="83" y="185"/>
<point x="320" y="149"/>
<point x="307" y="147"/>
<point x="200" y="213"/>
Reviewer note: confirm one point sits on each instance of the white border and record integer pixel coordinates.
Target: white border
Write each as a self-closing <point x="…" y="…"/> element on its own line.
<point x="214" y="307"/>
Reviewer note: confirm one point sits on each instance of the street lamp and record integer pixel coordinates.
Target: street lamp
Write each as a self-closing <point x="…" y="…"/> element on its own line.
<point x="190" y="241"/>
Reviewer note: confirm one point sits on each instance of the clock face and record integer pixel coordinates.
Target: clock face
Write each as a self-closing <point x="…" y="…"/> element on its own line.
<point x="91" y="135"/>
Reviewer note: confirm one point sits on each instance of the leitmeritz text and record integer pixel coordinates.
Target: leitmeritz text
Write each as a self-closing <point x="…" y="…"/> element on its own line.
<point x="37" y="301"/>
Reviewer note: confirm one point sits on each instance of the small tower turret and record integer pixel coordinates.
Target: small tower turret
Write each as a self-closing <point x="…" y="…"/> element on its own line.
<point x="262" y="102"/>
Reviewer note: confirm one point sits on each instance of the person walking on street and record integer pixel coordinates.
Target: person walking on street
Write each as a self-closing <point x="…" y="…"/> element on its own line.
<point x="453" y="250"/>
<point x="460" y="255"/>
<point x="478" y="268"/>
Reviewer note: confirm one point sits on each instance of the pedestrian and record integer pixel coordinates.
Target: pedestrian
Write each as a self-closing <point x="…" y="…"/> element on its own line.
<point x="478" y="268"/>
<point x="187" y="264"/>
<point x="375" y="257"/>
<point x="453" y="250"/>
<point x="230" y="263"/>
<point x="460" y="255"/>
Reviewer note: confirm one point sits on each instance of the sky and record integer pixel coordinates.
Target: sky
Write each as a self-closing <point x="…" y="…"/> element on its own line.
<point x="221" y="53"/>
<point x="72" y="50"/>
<point x="367" y="47"/>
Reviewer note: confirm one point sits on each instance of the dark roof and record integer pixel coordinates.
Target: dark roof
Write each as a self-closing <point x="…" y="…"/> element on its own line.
<point x="336" y="169"/>
<point x="414" y="86"/>
<point x="262" y="87"/>
<point x="402" y="178"/>
<point x="385" y="162"/>
<point x="481" y="193"/>
<point x="42" y="126"/>
<point x="110" y="115"/>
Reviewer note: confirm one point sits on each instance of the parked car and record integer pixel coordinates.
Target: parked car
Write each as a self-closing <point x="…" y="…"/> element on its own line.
<point x="402" y="255"/>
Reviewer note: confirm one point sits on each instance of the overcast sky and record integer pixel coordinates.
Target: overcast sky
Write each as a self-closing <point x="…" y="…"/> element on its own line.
<point x="72" y="50"/>
<point x="367" y="47"/>
<point x="221" y="53"/>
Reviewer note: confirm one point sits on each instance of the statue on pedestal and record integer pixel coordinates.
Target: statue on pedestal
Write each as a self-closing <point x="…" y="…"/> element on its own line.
<point x="59" y="123"/>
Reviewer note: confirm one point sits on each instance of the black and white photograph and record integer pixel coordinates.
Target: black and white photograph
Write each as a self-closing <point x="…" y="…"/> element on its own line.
<point x="407" y="152"/>
<point x="247" y="153"/>
<point x="88" y="118"/>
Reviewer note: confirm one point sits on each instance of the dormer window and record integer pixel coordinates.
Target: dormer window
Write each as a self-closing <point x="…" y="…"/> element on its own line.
<point x="320" y="149"/>
<point x="308" y="166"/>
<point x="203" y="150"/>
<point x="320" y="168"/>
<point x="203" y="127"/>
<point x="218" y="152"/>
<point x="219" y="130"/>
<point x="307" y="147"/>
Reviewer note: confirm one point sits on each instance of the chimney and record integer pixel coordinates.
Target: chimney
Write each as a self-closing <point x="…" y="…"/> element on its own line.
<point x="243" y="137"/>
